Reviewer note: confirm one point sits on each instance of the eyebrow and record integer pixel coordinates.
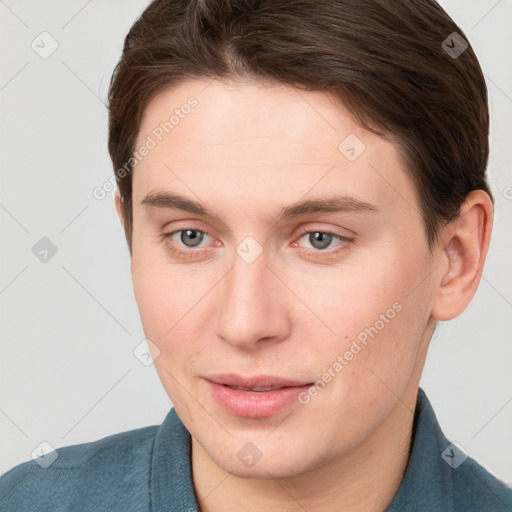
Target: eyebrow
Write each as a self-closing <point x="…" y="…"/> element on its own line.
<point x="332" y="204"/>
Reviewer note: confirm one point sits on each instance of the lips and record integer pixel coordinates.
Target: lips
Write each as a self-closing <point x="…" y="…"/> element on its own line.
<point x="254" y="397"/>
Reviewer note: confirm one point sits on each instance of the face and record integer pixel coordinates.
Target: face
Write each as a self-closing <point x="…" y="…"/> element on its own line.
<point x="292" y="255"/>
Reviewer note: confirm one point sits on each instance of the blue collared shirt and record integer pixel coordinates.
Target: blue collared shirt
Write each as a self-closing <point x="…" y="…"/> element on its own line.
<point x="149" y="469"/>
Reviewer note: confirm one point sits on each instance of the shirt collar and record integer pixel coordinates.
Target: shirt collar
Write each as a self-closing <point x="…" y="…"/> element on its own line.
<point x="171" y="472"/>
<point x="427" y="483"/>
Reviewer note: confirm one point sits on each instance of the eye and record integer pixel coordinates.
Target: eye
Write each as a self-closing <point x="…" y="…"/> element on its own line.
<point x="319" y="239"/>
<point x="323" y="242"/>
<point x="189" y="238"/>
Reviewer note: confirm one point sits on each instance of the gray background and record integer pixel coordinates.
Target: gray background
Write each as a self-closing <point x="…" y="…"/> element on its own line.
<point x="70" y="324"/>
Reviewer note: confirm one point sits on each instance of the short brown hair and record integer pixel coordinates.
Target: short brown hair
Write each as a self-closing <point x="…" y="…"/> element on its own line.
<point x="385" y="60"/>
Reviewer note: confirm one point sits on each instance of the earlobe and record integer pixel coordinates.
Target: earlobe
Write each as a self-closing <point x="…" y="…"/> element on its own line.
<point x="464" y="244"/>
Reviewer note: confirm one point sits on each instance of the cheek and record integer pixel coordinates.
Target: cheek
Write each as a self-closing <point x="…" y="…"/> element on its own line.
<point x="166" y="305"/>
<point x="377" y="314"/>
<point x="159" y="296"/>
<point x="379" y="322"/>
<point x="166" y="299"/>
<point x="171" y="299"/>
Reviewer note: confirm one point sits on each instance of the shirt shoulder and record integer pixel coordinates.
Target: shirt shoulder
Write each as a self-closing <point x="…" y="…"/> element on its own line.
<point x="440" y="477"/>
<point x="111" y="473"/>
<point x="475" y="489"/>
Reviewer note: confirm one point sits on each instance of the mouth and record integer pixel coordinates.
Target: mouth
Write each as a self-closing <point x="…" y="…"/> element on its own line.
<point x="255" y="388"/>
<point x="254" y="397"/>
<point x="256" y="382"/>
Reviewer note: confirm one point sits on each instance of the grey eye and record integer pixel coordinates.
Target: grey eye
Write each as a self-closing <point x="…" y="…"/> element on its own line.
<point x="320" y="240"/>
<point x="191" y="237"/>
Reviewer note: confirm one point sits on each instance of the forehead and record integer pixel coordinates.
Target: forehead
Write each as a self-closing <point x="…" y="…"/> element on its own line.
<point x="251" y="114"/>
<point x="253" y="142"/>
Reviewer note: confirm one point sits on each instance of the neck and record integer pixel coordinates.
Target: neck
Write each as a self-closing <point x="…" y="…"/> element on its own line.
<point x="365" y="479"/>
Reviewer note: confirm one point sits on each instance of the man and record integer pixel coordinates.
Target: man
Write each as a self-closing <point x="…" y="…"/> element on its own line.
<point x="303" y="197"/>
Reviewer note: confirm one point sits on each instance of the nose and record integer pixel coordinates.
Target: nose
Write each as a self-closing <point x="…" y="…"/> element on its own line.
<point x="253" y="306"/>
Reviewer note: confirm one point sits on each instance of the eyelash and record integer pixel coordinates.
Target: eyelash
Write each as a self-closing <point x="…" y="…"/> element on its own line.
<point x="315" y="253"/>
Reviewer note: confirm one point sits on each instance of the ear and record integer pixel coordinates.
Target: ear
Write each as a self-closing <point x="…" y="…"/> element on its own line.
<point x="463" y="244"/>
<point x="120" y="213"/>
<point x="119" y="206"/>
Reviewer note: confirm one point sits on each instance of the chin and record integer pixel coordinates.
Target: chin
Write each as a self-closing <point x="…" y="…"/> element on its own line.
<point x="282" y="461"/>
<point x="263" y="470"/>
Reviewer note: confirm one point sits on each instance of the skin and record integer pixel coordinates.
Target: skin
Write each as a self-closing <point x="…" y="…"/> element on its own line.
<point x="245" y="151"/>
